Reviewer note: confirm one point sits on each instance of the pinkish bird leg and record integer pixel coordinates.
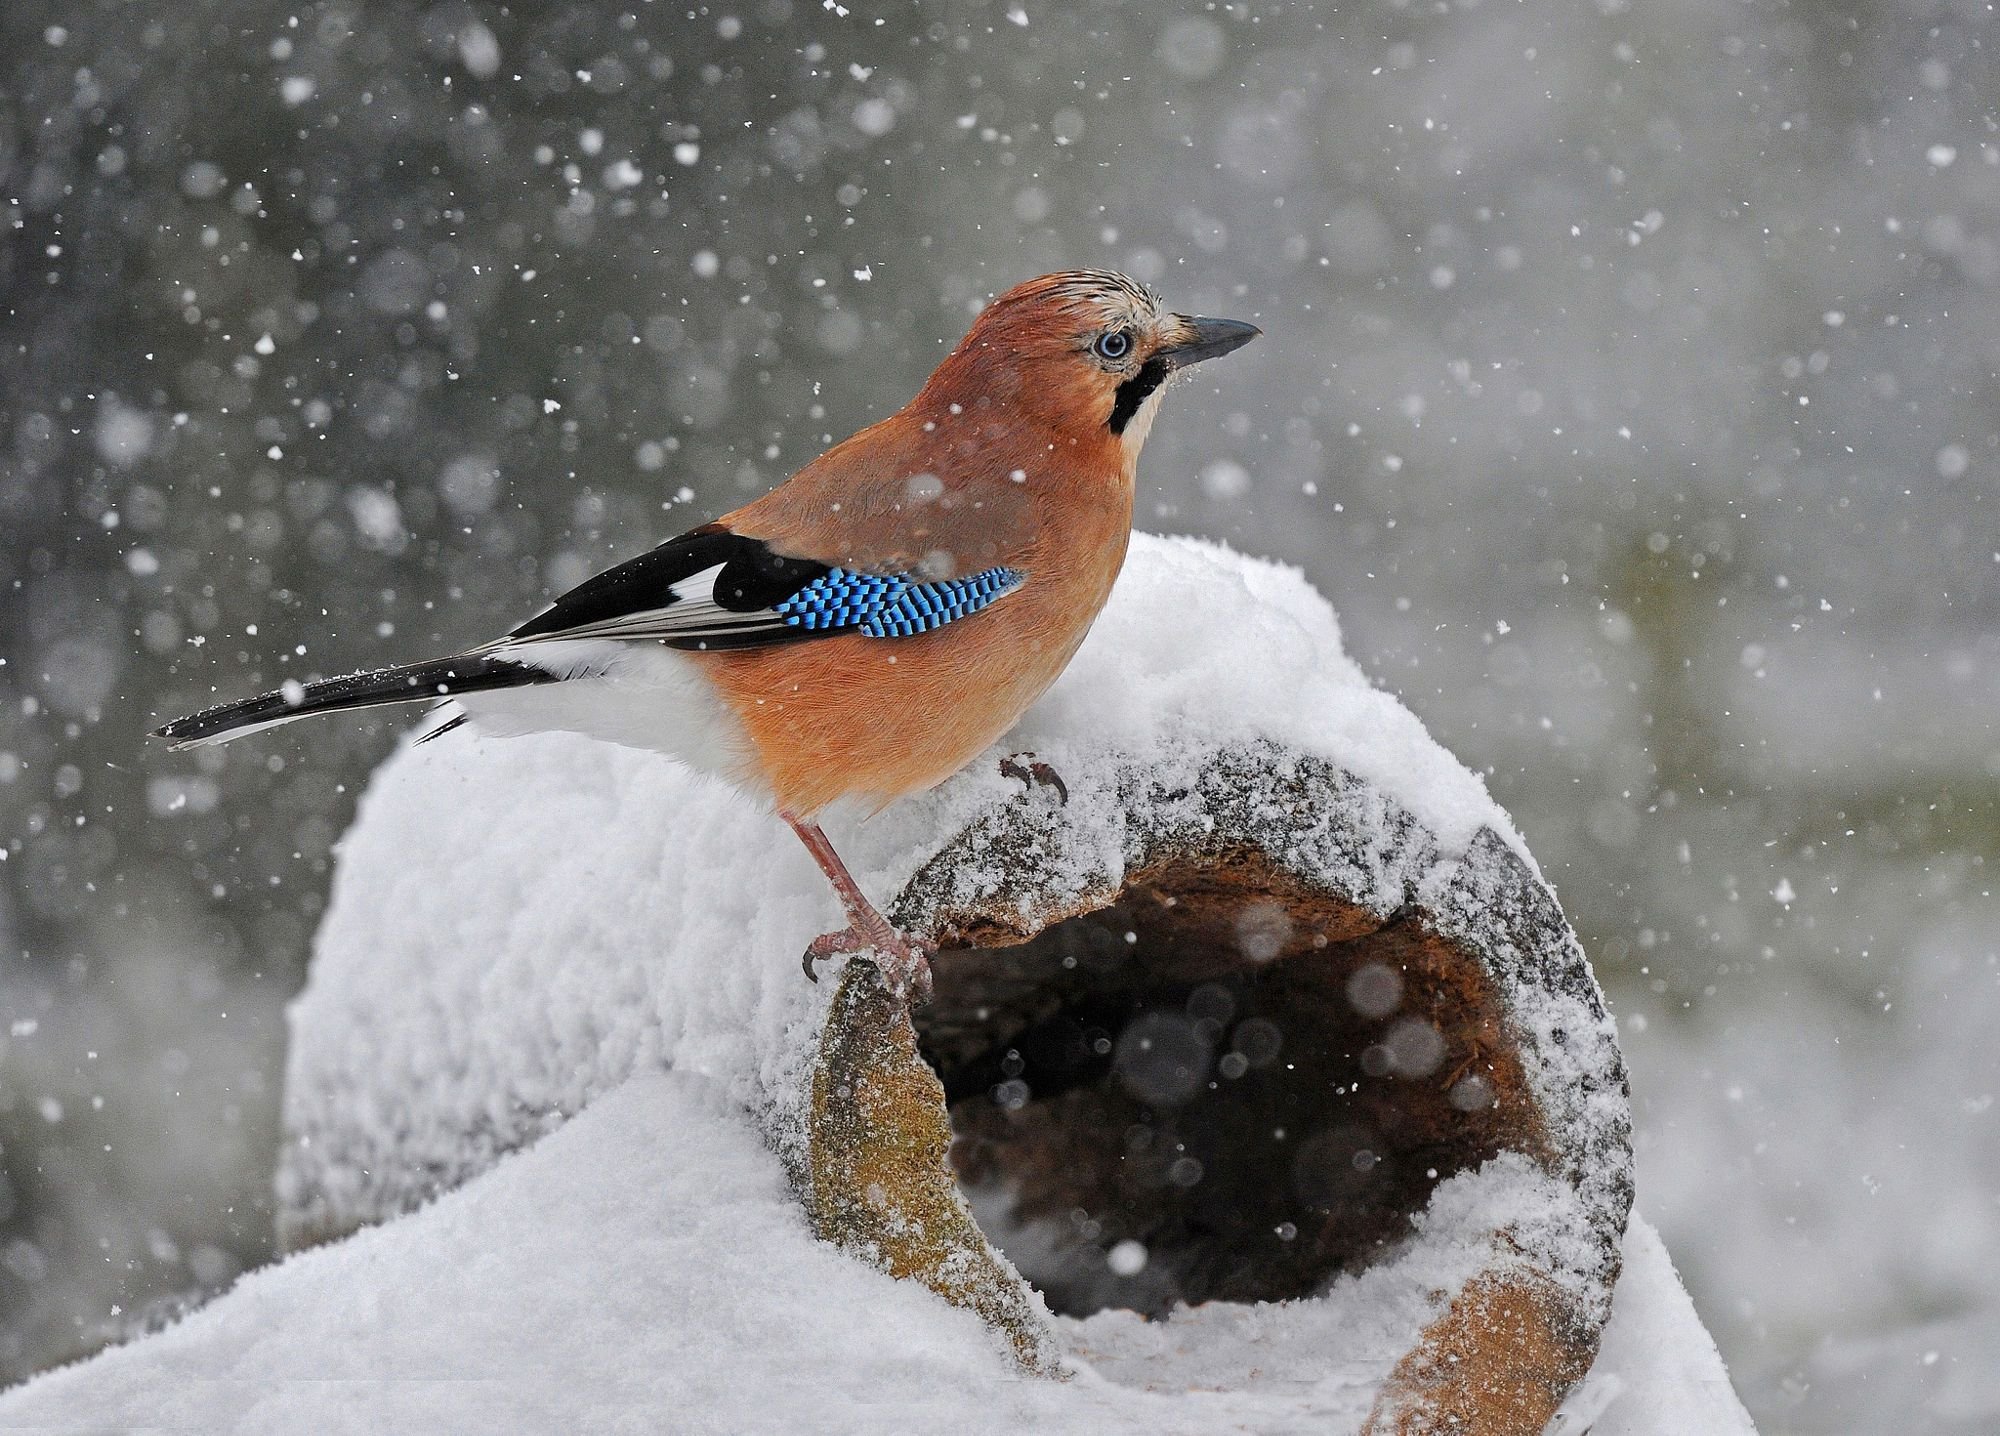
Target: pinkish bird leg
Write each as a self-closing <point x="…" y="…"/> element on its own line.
<point x="904" y="965"/>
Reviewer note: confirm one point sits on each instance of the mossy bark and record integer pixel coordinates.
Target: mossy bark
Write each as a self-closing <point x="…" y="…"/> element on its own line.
<point x="882" y="1185"/>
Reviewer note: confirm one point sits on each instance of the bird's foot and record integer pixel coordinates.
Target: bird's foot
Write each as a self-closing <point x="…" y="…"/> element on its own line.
<point x="904" y="965"/>
<point x="1034" y="771"/>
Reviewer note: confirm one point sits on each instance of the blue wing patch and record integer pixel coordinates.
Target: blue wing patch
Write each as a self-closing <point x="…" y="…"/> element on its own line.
<point x="711" y="590"/>
<point x="894" y="607"/>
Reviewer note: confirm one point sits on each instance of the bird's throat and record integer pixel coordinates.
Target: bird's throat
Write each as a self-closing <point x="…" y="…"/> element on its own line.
<point x="1132" y="437"/>
<point x="1132" y="396"/>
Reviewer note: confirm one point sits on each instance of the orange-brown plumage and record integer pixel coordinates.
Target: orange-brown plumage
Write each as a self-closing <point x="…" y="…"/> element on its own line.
<point x="931" y="490"/>
<point x="1006" y="456"/>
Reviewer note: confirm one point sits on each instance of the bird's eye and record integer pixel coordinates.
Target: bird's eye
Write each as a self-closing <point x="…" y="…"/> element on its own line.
<point x="1114" y="344"/>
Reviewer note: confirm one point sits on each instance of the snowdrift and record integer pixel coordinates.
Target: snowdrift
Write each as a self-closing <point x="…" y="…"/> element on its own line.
<point x="647" y="1268"/>
<point x="1270" y="1031"/>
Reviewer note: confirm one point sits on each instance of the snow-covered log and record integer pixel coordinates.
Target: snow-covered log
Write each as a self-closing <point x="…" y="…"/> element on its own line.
<point x="1239" y="1020"/>
<point x="1270" y="1030"/>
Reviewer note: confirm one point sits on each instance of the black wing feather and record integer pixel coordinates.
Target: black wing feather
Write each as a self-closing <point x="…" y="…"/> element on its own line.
<point x="753" y="578"/>
<point x="411" y="683"/>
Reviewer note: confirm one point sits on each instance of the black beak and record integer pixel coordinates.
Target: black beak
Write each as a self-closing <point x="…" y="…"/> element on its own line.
<point x="1213" y="338"/>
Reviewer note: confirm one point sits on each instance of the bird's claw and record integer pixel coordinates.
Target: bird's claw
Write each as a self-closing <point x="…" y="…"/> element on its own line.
<point x="1035" y="771"/>
<point x="905" y="965"/>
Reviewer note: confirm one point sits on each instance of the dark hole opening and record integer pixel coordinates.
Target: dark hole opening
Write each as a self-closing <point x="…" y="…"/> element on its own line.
<point x="1223" y="1086"/>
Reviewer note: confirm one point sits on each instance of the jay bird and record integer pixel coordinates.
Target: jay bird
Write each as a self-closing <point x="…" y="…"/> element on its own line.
<point x="869" y="626"/>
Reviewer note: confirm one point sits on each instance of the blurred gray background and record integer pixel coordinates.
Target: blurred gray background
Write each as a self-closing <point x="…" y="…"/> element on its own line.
<point x="1630" y="387"/>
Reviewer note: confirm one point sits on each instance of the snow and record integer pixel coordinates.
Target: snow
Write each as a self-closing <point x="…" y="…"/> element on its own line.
<point x="1197" y="638"/>
<point x="646" y="1268"/>
<point x="1656" y="1370"/>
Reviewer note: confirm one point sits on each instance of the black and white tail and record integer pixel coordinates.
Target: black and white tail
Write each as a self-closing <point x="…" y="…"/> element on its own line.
<point x="413" y="683"/>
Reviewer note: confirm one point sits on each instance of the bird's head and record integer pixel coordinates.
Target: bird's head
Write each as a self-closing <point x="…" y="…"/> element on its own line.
<point x="1086" y="351"/>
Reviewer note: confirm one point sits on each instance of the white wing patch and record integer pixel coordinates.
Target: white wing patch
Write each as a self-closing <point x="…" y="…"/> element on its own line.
<point x="693" y="610"/>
